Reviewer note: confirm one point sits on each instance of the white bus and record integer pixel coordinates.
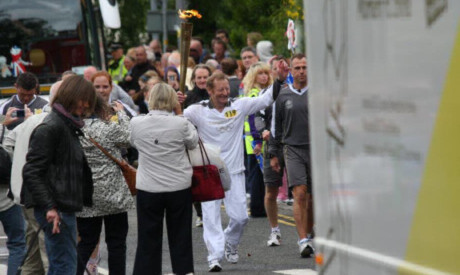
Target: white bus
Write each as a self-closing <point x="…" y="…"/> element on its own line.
<point x="384" y="84"/>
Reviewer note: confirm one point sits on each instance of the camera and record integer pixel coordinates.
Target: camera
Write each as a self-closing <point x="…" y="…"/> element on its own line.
<point x="18" y="113"/>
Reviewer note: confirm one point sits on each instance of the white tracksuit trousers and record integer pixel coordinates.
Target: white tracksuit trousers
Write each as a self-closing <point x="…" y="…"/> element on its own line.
<point x="235" y="206"/>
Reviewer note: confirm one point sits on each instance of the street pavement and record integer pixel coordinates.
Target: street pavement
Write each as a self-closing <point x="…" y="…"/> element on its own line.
<point x="255" y="256"/>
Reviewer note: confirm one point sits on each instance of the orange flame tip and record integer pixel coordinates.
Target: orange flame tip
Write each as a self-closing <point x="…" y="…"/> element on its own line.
<point x="189" y="14"/>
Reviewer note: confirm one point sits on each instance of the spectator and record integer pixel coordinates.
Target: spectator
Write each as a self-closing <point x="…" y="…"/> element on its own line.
<point x="143" y="79"/>
<point x="172" y="77"/>
<point x="161" y="139"/>
<point x="11" y="215"/>
<point x="213" y="65"/>
<point x="66" y="74"/>
<point x="26" y="85"/>
<point x="129" y="63"/>
<point x="88" y="72"/>
<point x="196" y="50"/>
<point x="116" y="66"/>
<point x="102" y="81"/>
<point x="17" y="144"/>
<point x="142" y="65"/>
<point x="111" y="197"/>
<point x="229" y="67"/>
<point x="253" y="38"/>
<point x="222" y="34"/>
<point x="264" y="50"/>
<point x="155" y="46"/>
<point x="55" y="161"/>
<point x="219" y="48"/>
<point x="117" y="93"/>
<point x="241" y="71"/>
<point x="249" y="57"/>
<point x="25" y="99"/>
<point x="174" y="60"/>
<point x="191" y="63"/>
<point x="257" y="79"/>
<point x="199" y="77"/>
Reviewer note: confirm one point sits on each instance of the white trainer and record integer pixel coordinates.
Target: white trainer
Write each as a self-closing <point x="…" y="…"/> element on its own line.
<point x="231" y="253"/>
<point x="199" y="222"/>
<point x="214" y="266"/>
<point x="274" y="239"/>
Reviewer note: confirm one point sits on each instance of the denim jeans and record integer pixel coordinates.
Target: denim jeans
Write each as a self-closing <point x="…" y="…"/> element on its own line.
<point x="61" y="247"/>
<point x="13" y="224"/>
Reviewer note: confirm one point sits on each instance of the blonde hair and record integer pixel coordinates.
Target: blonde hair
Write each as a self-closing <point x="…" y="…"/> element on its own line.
<point x="249" y="81"/>
<point x="162" y="97"/>
<point x="132" y="54"/>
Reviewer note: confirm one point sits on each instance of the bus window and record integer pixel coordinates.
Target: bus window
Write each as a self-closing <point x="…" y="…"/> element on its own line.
<point x="50" y="34"/>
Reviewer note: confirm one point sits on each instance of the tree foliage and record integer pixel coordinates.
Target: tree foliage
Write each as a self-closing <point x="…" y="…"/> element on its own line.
<point x="133" y="29"/>
<point x="269" y="17"/>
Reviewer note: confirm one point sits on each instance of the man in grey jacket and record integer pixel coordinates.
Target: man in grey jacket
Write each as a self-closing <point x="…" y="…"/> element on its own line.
<point x="292" y="132"/>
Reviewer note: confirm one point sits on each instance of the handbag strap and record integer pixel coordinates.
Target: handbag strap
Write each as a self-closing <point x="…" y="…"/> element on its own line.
<point x="110" y="156"/>
<point x="202" y="149"/>
<point x="203" y="152"/>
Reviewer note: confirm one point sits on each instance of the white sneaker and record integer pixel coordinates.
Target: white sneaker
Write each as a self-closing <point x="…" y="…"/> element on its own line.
<point x="274" y="239"/>
<point x="214" y="266"/>
<point x="231" y="253"/>
<point x="199" y="222"/>
<point x="306" y="248"/>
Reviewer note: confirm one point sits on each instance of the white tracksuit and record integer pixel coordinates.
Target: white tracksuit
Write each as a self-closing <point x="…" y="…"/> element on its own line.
<point x="224" y="129"/>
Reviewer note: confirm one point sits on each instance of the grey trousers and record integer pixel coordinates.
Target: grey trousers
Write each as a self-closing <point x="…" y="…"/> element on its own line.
<point x="37" y="261"/>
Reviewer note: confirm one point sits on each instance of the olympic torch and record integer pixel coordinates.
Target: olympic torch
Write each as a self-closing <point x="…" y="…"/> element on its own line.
<point x="186" y="29"/>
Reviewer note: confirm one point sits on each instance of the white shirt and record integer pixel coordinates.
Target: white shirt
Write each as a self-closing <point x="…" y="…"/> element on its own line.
<point x="225" y="129"/>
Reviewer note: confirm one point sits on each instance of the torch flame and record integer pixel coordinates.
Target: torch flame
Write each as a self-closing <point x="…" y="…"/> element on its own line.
<point x="189" y="14"/>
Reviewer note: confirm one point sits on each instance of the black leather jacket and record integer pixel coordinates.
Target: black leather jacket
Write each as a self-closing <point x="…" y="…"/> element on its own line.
<point x="195" y="95"/>
<point x="56" y="173"/>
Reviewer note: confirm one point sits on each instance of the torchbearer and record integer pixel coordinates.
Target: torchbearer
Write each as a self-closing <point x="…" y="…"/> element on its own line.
<point x="219" y="121"/>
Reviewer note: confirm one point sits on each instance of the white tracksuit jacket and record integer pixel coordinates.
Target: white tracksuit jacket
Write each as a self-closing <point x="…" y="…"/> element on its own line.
<point x="224" y="129"/>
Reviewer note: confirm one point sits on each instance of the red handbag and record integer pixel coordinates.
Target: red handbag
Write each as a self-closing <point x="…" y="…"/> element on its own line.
<point x="206" y="183"/>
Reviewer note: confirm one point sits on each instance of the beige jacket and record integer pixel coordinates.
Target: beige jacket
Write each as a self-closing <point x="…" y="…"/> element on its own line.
<point x="161" y="139"/>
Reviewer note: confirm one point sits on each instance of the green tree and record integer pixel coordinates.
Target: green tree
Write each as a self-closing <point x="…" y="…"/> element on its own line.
<point x="269" y="17"/>
<point x="133" y="31"/>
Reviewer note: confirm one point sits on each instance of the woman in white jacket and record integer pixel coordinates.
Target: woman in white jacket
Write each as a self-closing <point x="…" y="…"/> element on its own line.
<point x="164" y="179"/>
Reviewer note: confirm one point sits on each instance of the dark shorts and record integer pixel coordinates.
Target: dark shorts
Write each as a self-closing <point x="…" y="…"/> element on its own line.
<point x="271" y="177"/>
<point x="298" y="165"/>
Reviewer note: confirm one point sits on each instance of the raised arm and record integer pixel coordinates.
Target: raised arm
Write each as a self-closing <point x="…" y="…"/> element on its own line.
<point x="251" y="105"/>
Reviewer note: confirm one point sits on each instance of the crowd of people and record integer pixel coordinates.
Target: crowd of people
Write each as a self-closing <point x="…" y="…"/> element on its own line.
<point x="254" y="107"/>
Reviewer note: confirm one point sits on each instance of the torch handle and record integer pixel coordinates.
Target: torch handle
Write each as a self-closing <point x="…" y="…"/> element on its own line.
<point x="185" y="37"/>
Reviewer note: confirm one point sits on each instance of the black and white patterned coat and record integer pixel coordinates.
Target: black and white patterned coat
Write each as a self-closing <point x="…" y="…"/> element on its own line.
<point x="111" y="194"/>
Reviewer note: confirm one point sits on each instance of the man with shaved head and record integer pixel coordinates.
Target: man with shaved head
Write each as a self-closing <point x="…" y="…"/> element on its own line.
<point x="142" y="65"/>
<point x="196" y="50"/>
